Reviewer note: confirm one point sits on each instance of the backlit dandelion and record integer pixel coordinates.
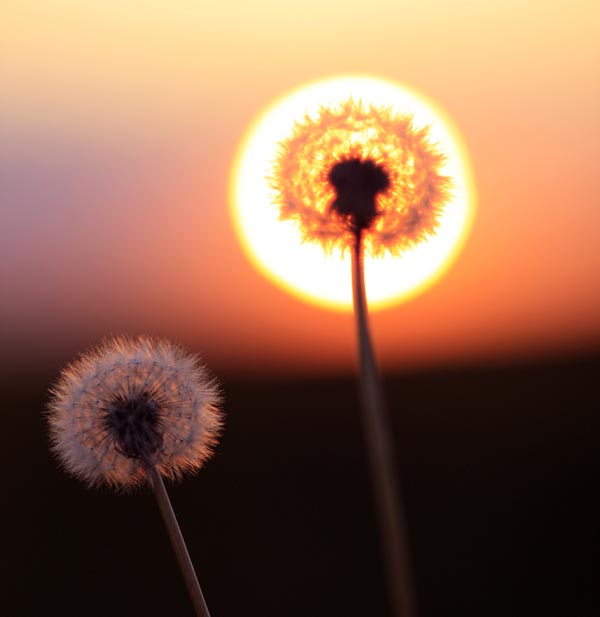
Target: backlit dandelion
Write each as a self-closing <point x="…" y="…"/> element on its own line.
<point x="129" y="404"/>
<point x="361" y="166"/>
<point x="136" y="409"/>
<point x="366" y="179"/>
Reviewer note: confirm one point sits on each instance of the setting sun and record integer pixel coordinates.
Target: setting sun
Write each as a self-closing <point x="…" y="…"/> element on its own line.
<point x="278" y="247"/>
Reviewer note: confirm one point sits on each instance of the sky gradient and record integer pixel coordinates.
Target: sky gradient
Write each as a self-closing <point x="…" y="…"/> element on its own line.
<point x="119" y="125"/>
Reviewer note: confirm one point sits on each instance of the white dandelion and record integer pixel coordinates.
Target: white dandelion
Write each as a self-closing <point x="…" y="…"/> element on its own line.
<point x="130" y="404"/>
<point x="136" y="409"/>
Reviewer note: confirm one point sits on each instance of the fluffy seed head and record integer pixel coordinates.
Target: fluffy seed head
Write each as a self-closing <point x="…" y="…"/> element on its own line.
<point x="131" y="403"/>
<point x="354" y="166"/>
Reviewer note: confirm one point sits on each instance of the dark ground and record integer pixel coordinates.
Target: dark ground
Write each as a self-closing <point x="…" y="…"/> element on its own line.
<point x="500" y="476"/>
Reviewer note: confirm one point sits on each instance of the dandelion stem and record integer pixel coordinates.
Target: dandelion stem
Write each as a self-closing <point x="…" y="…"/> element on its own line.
<point x="381" y="453"/>
<point x="177" y="541"/>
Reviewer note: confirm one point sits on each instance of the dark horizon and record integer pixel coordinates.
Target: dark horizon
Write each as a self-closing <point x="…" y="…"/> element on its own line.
<point x="498" y="467"/>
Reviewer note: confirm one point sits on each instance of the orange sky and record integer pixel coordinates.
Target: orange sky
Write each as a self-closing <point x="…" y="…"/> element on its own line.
<point x="118" y="129"/>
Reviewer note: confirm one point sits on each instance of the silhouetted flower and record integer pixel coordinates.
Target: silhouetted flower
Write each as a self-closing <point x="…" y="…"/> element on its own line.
<point x="129" y="404"/>
<point x="360" y="167"/>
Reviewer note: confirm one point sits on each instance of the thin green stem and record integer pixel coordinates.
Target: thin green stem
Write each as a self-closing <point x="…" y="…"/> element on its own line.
<point x="177" y="542"/>
<point x="381" y="453"/>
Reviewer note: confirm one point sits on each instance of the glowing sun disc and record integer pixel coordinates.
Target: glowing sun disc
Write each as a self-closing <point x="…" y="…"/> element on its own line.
<point x="275" y="246"/>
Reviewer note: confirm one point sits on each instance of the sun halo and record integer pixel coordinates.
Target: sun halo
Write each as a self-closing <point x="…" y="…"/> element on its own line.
<point x="275" y="246"/>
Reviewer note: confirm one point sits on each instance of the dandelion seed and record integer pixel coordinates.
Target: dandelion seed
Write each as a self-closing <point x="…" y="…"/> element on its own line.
<point x="130" y="404"/>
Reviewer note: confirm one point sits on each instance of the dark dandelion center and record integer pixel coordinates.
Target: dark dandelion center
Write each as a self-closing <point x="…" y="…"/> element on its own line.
<point x="357" y="184"/>
<point x="135" y="424"/>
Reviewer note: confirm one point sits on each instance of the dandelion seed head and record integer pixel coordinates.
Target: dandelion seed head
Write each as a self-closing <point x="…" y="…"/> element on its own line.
<point x="130" y="403"/>
<point x="354" y="166"/>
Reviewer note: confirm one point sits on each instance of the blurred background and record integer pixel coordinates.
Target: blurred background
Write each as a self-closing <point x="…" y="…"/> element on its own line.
<point x="119" y="124"/>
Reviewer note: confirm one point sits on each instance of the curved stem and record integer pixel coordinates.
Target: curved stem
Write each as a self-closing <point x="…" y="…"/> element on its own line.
<point x="381" y="453"/>
<point x="177" y="542"/>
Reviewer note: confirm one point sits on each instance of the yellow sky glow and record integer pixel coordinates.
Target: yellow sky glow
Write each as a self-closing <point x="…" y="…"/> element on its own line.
<point x="121" y="122"/>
